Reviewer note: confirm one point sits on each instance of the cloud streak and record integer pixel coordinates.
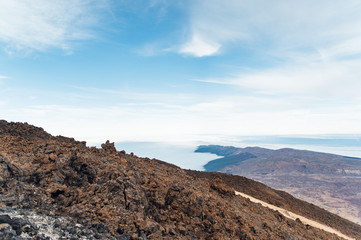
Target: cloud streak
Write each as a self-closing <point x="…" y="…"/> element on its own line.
<point x="274" y="26"/>
<point x="202" y="119"/>
<point x="2" y="79"/>
<point x="303" y="77"/>
<point x="38" y="25"/>
<point x="313" y="48"/>
<point x="337" y="79"/>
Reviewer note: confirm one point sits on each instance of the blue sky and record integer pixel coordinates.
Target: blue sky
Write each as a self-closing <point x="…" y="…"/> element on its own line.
<point x="181" y="70"/>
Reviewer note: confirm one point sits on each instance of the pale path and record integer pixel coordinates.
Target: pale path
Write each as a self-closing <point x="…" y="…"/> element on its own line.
<point x="294" y="216"/>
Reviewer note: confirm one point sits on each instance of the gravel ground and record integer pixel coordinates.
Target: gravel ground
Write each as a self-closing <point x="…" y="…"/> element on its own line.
<point x="22" y="224"/>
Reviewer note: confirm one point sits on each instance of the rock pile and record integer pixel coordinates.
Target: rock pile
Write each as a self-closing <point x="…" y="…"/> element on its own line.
<point x="26" y="224"/>
<point x="79" y="192"/>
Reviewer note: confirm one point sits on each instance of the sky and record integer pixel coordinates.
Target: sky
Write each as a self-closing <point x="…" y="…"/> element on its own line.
<point x="178" y="71"/>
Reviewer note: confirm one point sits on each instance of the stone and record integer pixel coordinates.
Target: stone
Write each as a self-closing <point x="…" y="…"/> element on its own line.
<point x="103" y="194"/>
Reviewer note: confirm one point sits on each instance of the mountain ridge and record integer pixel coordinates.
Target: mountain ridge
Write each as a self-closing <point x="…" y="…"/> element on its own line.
<point x="109" y="194"/>
<point x="328" y="180"/>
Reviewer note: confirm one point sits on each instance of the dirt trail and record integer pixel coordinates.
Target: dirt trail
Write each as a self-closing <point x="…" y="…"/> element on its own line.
<point x="294" y="216"/>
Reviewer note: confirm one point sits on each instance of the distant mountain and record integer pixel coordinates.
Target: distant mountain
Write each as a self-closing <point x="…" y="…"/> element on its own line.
<point x="58" y="188"/>
<point x="327" y="180"/>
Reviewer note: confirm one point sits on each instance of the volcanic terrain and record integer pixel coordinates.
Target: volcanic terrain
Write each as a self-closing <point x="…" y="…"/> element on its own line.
<point x="58" y="188"/>
<point x="330" y="181"/>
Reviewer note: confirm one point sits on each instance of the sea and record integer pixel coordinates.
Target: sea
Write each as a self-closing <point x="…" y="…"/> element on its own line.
<point x="183" y="154"/>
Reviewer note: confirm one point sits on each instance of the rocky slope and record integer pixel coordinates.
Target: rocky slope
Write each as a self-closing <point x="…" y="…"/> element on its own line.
<point x="327" y="180"/>
<point x="283" y="200"/>
<point x="58" y="188"/>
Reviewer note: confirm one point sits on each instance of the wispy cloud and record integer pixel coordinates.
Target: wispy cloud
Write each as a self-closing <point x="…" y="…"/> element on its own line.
<point x="153" y="49"/>
<point x="205" y="117"/>
<point x="313" y="47"/>
<point x="137" y="95"/>
<point x="338" y="79"/>
<point x="28" y="25"/>
<point x="2" y="79"/>
<point x="274" y="26"/>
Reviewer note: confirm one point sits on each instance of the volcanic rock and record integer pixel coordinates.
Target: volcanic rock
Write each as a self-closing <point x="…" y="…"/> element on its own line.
<point x="58" y="188"/>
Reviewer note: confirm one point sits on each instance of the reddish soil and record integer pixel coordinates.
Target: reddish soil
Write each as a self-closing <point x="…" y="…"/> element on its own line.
<point x="133" y="197"/>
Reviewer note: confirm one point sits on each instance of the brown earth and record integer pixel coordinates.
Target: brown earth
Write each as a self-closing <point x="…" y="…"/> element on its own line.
<point x="330" y="181"/>
<point x="133" y="197"/>
<point x="283" y="200"/>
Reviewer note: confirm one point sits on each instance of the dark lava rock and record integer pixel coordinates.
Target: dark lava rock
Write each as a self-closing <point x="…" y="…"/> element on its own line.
<point x="57" y="188"/>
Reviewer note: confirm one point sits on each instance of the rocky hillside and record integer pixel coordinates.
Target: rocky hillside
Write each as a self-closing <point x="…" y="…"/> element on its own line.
<point x="327" y="180"/>
<point x="281" y="199"/>
<point x="58" y="188"/>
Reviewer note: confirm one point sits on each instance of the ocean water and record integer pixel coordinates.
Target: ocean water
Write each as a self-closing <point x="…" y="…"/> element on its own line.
<point x="183" y="155"/>
<point x="345" y="145"/>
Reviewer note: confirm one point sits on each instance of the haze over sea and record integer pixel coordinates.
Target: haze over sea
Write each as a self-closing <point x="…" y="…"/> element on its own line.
<point x="182" y="153"/>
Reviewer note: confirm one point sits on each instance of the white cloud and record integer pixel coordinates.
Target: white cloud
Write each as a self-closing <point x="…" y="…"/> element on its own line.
<point x="142" y="116"/>
<point x="203" y="119"/>
<point x="331" y="79"/>
<point x="28" y="25"/>
<point x="347" y="48"/>
<point x="275" y="26"/>
<point x="137" y="96"/>
<point x="313" y="47"/>
<point x="314" y="90"/>
<point x="199" y="47"/>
